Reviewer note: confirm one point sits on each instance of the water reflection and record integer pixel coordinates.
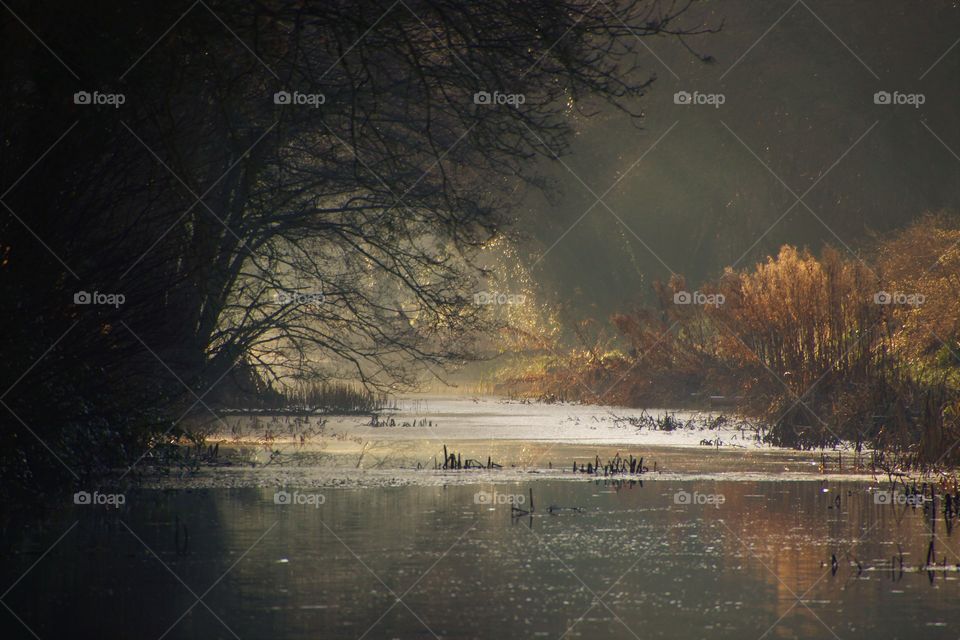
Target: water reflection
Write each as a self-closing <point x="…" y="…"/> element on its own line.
<point x="610" y="558"/>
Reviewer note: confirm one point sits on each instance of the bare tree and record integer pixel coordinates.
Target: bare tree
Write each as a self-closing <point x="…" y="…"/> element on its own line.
<point x="294" y="186"/>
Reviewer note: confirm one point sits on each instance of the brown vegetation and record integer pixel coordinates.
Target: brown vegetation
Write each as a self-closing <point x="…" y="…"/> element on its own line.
<point x="823" y="348"/>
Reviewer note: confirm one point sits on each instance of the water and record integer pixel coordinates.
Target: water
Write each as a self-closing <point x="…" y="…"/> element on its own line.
<point x="520" y="437"/>
<point x="447" y="418"/>
<point x="430" y="559"/>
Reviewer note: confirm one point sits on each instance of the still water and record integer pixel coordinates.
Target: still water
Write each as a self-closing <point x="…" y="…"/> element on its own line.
<point x="662" y="559"/>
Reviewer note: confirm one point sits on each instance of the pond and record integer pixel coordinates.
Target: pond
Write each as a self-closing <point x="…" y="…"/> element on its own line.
<point x="662" y="558"/>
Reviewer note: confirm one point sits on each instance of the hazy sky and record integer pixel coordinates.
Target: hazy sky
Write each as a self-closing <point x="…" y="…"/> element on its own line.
<point x="802" y="99"/>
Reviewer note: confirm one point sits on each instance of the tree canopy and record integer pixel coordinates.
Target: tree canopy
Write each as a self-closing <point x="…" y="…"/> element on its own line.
<point x="269" y="190"/>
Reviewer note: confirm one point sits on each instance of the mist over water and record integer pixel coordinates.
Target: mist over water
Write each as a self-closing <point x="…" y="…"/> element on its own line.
<point x="721" y="187"/>
<point x="439" y="319"/>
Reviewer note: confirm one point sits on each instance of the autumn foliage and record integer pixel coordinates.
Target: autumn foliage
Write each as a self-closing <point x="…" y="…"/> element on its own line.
<point x="824" y="348"/>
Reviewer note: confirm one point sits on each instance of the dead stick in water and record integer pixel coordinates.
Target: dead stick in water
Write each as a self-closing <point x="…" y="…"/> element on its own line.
<point x="362" y="451"/>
